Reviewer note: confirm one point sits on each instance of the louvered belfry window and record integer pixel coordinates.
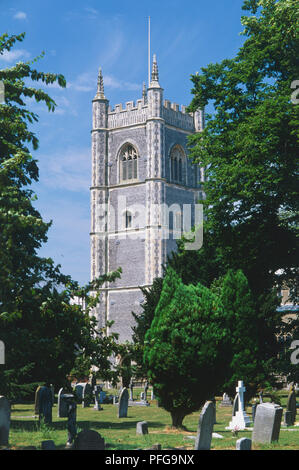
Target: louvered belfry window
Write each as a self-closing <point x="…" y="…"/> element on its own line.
<point x="128" y="163"/>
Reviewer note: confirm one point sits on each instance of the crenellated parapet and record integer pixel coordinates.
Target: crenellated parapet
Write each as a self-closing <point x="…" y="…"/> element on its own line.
<point x="128" y="115"/>
<point x="174" y="116"/>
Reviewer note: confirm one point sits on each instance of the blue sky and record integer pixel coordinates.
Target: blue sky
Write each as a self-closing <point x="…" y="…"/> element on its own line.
<point x="78" y="37"/>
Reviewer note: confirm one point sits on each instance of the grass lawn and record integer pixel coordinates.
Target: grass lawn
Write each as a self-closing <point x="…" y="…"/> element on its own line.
<point x="120" y="434"/>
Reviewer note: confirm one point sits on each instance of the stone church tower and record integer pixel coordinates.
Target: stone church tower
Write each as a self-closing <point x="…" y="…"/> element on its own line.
<point x="139" y="165"/>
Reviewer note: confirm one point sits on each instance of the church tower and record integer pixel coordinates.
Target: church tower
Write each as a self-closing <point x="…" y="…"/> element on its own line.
<point x="142" y="186"/>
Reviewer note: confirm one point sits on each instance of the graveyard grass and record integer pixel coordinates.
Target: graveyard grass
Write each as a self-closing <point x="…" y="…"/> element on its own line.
<point x="120" y="433"/>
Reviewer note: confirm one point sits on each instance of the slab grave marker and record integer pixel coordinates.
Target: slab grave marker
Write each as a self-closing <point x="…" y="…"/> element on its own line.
<point x="267" y="423"/>
<point x="123" y="403"/>
<point x="4" y="421"/>
<point x="205" y="427"/>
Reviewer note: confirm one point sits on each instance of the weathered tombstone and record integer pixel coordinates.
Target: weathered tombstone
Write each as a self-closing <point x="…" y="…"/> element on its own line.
<point x="205" y="427"/>
<point x="152" y="395"/>
<point x="240" y="420"/>
<point x="97" y="394"/>
<point x="226" y="401"/>
<point x="253" y="411"/>
<point x="288" y="419"/>
<point x="243" y="444"/>
<point x="123" y="403"/>
<point x="142" y="427"/>
<point x="4" y="421"/>
<point x="89" y="440"/>
<point x="267" y="423"/>
<point x="48" y="445"/>
<point x="45" y="404"/>
<point x="131" y="386"/>
<point x="292" y="405"/>
<point x="36" y="401"/>
<point x="62" y="406"/>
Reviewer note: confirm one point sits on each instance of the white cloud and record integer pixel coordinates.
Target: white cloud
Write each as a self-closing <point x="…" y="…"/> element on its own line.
<point x="12" y="56"/>
<point x="20" y="15"/>
<point x="66" y="169"/>
<point x="92" y="13"/>
<point x="88" y="82"/>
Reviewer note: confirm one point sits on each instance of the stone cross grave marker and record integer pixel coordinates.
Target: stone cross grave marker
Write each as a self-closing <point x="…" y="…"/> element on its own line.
<point x="205" y="427"/>
<point x="123" y="403"/>
<point x="4" y="421"/>
<point x="267" y="423"/>
<point x="240" y="420"/>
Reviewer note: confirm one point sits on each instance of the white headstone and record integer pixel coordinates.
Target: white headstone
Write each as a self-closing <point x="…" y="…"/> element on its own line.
<point x="240" y="420"/>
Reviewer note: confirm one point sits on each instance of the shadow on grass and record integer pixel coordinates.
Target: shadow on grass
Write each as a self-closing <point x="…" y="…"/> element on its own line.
<point x="33" y="425"/>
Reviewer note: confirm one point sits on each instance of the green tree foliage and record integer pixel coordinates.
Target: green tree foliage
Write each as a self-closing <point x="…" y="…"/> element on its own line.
<point x="44" y="335"/>
<point x="186" y="347"/>
<point x="142" y="324"/>
<point x="252" y="341"/>
<point x="249" y="148"/>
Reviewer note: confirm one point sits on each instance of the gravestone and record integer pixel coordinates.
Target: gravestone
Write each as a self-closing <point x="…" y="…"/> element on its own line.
<point x="240" y="420"/>
<point x="243" y="444"/>
<point x="97" y="395"/>
<point x="45" y="404"/>
<point x="205" y="427"/>
<point x="4" y="421"/>
<point x="36" y="401"/>
<point x="152" y="395"/>
<point x="267" y="423"/>
<point x="48" y="445"/>
<point x="62" y="406"/>
<point x="131" y="386"/>
<point x="83" y="391"/>
<point x="288" y="419"/>
<point x="145" y="390"/>
<point x="123" y="403"/>
<point x="292" y="405"/>
<point x="89" y="440"/>
<point x="253" y="408"/>
<point x="142" y="427"/>
<point x="226" y="401"/>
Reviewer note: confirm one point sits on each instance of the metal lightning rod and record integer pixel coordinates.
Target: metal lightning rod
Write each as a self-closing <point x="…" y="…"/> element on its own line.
<point x="149" y="50"/>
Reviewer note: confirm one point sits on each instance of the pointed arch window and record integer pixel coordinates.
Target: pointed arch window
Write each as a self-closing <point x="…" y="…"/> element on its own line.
<point x="177" y="165"/>
<point x="128" y="163"/>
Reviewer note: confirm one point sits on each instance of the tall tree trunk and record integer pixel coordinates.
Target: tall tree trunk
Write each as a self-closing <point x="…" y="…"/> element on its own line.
<point x="177" y="417"/>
